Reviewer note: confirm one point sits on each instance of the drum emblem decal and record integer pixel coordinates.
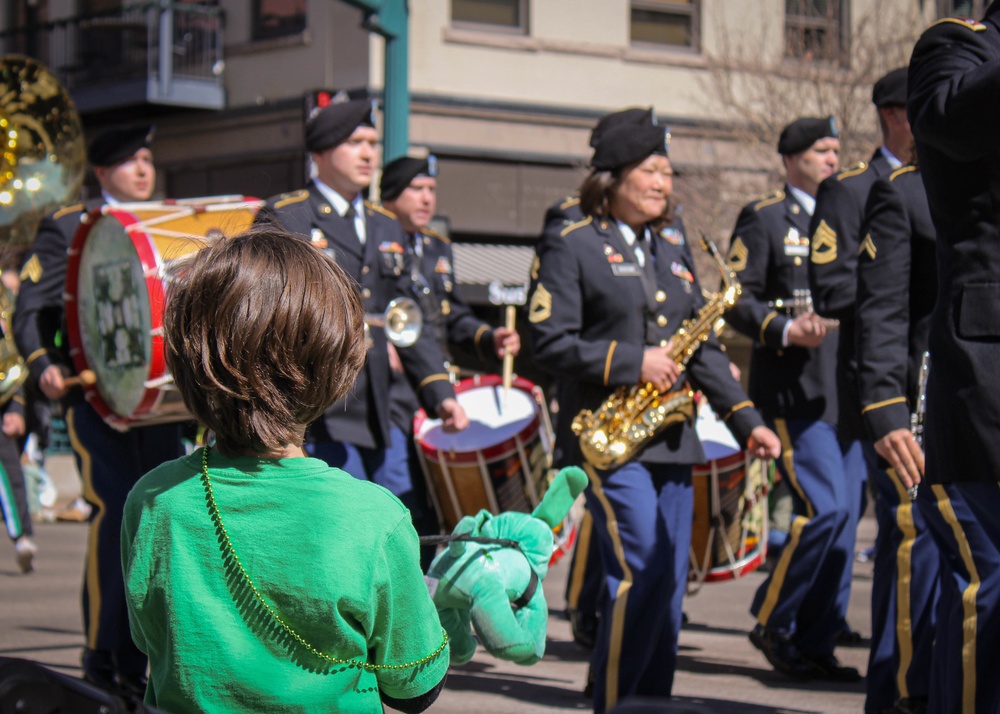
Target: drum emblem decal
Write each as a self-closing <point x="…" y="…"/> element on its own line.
<point x="120" y="324"/>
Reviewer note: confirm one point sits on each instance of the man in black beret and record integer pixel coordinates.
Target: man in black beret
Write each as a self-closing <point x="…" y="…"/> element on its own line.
<point x="357" y="434"/>
<point x="792" y="381"/>
<point x="835" y="239"/>
<point x="109" y="461"/>
<point x="409" y="189"/>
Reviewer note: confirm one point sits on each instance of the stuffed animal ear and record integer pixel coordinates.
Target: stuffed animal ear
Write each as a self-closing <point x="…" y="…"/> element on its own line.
<point x="566" y="486"/>
<point x="469" y="525"/>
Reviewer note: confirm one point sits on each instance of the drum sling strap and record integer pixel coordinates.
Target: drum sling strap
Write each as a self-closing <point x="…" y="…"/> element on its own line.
<point x="529" y="592"/>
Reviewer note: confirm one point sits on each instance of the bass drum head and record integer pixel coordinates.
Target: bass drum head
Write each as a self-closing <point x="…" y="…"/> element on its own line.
<point x="114" y="315"/>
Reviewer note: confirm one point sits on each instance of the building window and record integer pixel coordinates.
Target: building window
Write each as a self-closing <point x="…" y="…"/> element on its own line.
<point x="669" y="23"/>
<point x="504" y="15"/>
<point x="961" y="8"/>
<point x="277" y="18"/>
<point x="816" y="29"/>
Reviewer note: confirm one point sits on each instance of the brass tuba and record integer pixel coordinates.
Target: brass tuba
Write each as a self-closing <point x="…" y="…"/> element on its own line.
<point x="632" y="416"/>
<point x="42" y="165"/>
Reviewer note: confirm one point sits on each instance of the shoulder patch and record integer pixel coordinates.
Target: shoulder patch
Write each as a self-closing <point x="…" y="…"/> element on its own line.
<point x="541" y="305"/>
<point x="902" y="170"/>
<point x="437" y="236"/>
<point x="380" y="209"/>
<point x="966" y="22"/>
<point x="569" y="202"/>
<point x="857" y="169"/>
<point x="534" y="268"/>
<point x="75" y="208"/>
<point x="770" y="200"/>
<point x="824" y="244"/>
<point x="867" y="247"/>
<point x="573" y="226"/>
<point x="737" y="258"/>
<point x="287" y="199"/>
<point x="32" y="270"/>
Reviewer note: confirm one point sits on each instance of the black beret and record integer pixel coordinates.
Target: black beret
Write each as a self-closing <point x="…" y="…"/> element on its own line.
<point x="626" y="117"/>
<point x="803" y="133"/>
<point x="336" y="122"/>
<point x="115" y="144"/>
<point x="623" y="145"/>
<point x="399" y="173"/>
<point x="890" y="91"/>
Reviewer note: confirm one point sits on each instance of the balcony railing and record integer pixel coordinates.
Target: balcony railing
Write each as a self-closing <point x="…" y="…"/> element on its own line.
<point x="148" y="53"/>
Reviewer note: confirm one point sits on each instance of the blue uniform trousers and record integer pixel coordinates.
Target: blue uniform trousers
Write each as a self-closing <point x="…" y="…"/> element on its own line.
<point x="859" y="460"/>
<point x="642" y="516"/>
<point x="964" y="519"/>
<point x="110" y="463"/>
<point x="904" y="597"/>
<point x="799" y="597"/>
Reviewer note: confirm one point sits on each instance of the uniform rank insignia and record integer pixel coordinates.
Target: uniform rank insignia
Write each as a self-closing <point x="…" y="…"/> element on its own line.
<point x="681" y="272"/>
<point x="443" y="266"/>
<point x="672" y="235"/>
<point x="541" y="305"/>
<point x="317" y="238"/>
<point x="738" y="255"/>
<point x="824" y="245"/>
<point x="32" y="270"/>
<point x="796" y="244"/>
<point x="867" y="247"/>
<point x="445" y="308"/>
<point x="534" y="268"/>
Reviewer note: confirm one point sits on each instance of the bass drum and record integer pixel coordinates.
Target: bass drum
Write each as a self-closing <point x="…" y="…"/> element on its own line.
<point x="115" y="293"/>
<point x="729" y="529"/>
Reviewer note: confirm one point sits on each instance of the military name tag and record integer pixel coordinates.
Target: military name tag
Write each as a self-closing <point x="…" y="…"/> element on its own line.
<point x="800" y="250"/>
<point x="625" y="270"/>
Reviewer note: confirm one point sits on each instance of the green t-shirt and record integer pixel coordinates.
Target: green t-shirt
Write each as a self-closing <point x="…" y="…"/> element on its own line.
<point x="335" y="557"/>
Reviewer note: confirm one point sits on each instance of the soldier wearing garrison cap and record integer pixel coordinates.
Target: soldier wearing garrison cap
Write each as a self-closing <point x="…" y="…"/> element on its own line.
<point x="607" y="295"/>
<point x="954" y="107"/>
<point x="792" y="380"/>
<point x="409" y="189"/>
<point x="357" y="434"/>
<point x="110" y="462"/>
<point x="835" y="239"/>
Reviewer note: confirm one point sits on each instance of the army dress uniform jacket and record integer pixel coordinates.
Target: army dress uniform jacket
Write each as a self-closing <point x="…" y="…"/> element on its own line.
<point x="39" y="316"/>
<point x="446" y="316"/>
<point x="769" y="252"/>
<point x="589" y="315"/>
<point x="954" y="107"/>
<point x="380" y="269"/>
<point x="835" y="234"/>
<point x="897" y="287"/>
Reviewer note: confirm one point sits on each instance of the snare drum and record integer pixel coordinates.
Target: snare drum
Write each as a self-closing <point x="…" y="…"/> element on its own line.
<point x="500" y="462"/>
<point x="115" y="293"/>
<point x="729" y="530"/>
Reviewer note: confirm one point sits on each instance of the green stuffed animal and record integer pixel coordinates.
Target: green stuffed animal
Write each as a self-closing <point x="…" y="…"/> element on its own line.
<point x="496" y="587"/>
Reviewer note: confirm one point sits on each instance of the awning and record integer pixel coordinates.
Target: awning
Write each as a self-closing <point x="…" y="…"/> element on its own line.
<point x="490" y="274"/>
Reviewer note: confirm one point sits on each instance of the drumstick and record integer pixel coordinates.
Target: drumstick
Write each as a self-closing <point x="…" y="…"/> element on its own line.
<point x="86" y="378"/>
<point x="508" y="358"/>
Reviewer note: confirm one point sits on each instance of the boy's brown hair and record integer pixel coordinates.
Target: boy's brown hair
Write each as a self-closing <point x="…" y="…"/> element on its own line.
<point x="263" y="333"/>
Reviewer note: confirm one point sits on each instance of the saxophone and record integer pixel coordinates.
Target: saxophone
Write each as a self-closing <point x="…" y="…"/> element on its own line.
<point x="632" y="416"/>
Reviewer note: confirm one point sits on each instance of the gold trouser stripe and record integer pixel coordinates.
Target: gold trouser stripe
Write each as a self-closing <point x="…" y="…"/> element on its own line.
<point x="968" y="602"/>
<point x="904" y="576"/>
<point x="621" y="597"/>
<point x="93" y="538"/>
<point x="580" y="560"/>
<point x="788" y="458"/>
<point x="778" y="579"/>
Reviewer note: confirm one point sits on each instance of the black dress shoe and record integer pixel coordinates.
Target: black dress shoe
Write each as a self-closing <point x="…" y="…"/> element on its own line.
<point x="828" y="667"/>
<point x="781" y="652"/>
<point x="99" y="670"/>
<point x="583" y="625"/>
<point x="850" y="638"/>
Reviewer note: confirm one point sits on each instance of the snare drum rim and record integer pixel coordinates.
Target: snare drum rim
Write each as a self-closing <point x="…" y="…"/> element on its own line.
<point x="505" y="448"/>
<point x="148" y="259"/>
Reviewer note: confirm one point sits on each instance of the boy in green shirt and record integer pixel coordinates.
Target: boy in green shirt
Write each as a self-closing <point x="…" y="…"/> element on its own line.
<point x="259" y="579"/>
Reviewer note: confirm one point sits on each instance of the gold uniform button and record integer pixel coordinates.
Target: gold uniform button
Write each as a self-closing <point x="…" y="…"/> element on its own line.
<point x="661" y="296"/>
<point x="798" y="261"/>
<point x="326" y="209"/>
<point x="661" y="320"/>
<point x="664" y="343"/>
<point x="364" y="270"/>
<point x="366" y="293"/>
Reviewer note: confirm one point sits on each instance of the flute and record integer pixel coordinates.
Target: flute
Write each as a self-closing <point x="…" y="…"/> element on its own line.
<point x="917" y="417"/>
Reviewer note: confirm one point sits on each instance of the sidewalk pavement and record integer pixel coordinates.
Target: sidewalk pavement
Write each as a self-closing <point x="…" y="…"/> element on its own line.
<point x="719" y="670"/>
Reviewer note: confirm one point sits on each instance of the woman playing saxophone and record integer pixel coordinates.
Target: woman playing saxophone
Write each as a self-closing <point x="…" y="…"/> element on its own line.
<point x="608" y="292"/>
